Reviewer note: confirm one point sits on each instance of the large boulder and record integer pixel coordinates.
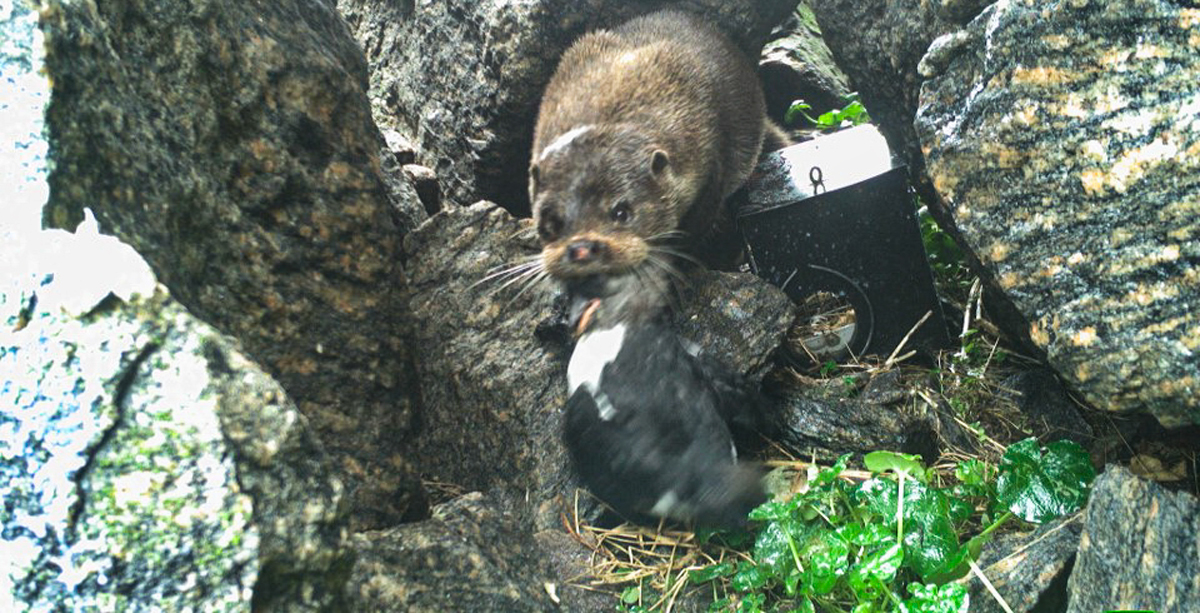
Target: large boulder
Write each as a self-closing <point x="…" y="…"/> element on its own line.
<point x="462" y="79"/>
<point x="828" y="418"/>
<point x="232" y="145"/>
<point x="493" y="364"/>
<point x="1029" y="570"/>
<point x="1062" y="138"/>
<point x="1139" y="549"/>
<point x="470" y="556"/>
<point x="146" y="464"/>
<point x="797" y="64"/>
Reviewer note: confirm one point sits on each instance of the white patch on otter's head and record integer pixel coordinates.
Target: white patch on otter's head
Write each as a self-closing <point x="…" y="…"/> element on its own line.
<point x="593" y="352"/>
<point x="563" y="141"/>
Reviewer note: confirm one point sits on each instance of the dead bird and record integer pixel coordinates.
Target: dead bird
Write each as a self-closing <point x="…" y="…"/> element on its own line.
<point x="648" y="421"/>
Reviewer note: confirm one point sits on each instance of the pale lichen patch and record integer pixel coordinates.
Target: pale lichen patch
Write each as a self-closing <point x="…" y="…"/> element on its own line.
<point x="1147" y="51"/>
<point x="1041" y="76"/>
<point x="1085" y="337"/>
<point x="1188" y="18"/>
<point x="1135" y="163"/>
<point x="1094" y="150"/>
<point x="1057" y="42"/>
<point x="1145" y="294"/>
<point x="1039" y="334"/>
<point x="1119" y="236"/>
<point x="1009" y="280"/>
<point x="999" y="251"/>
<point x="1092" y="180"/>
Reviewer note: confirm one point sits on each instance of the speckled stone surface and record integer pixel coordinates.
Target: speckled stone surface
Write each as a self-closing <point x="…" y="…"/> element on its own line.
<point x="796" y="64"/>
<point x="821" y="418"/>
<point x="1139" y="549"/>
<point x="494" y="387"/>
<point x="470" y="556"/>
<point x="463" y="79"/>
<point x="1064" y="139"/>
<point x="144" y="463"/>
<point x="232" y="145"/>
<point x="1029" y="570"/>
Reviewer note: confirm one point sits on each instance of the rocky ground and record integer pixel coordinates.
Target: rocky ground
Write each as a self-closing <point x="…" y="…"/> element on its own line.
<point x="286" y="388"/>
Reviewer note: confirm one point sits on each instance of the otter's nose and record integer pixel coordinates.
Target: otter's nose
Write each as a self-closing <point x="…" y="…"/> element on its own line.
<point x="583" y="251"/>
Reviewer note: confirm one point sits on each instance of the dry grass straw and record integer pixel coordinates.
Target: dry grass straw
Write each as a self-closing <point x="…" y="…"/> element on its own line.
<point x="655" y="558"/>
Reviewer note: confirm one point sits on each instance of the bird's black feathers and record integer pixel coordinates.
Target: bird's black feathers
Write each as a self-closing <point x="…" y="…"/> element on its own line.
<point x="662" y="446"/>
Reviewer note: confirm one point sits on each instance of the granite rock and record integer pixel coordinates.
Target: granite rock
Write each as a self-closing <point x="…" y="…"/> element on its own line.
<point x="146" y="464"/>
<point x="825" y="419"/>
<point x="1039" y="395"/>
<point x="1029" y="570"/>
<point x="494" y="377"/>
<point x="426" y="183"/>
<point x="1138" y="549"/>
<point x="1063" y="139"/>
<point x="232" y="145"/>
<point x="470" y="556"/>
<point x="462" y="80"/>
<point x="796" y="64"/>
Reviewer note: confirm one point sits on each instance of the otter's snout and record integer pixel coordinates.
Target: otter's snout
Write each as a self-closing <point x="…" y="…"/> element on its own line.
<point x="584" y="251"/>
<point x="593" y="253"/>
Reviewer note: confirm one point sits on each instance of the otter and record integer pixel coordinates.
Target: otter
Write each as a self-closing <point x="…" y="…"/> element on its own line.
<point x="642" y="133"/>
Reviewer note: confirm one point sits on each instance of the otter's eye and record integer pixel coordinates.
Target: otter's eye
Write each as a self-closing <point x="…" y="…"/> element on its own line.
<point x="621" y="212"/>
<point x="550" y="226"/>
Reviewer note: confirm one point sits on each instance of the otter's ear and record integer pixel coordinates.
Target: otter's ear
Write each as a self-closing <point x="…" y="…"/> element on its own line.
<point x="659" y="162"/>
<point x="533" y="179"/>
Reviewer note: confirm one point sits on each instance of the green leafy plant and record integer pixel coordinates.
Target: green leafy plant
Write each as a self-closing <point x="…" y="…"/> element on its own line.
<point x="946" y="258"/>
<point x="852" y="114"/>
<point x="892" y="542"/>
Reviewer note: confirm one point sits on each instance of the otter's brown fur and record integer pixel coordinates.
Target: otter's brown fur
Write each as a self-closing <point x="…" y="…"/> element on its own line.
<point x="642" y="133"/>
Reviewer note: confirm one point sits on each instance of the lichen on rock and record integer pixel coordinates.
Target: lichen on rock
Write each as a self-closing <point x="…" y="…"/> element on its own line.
<point x="146" y="464"/>
<point x="1063" y="139"/>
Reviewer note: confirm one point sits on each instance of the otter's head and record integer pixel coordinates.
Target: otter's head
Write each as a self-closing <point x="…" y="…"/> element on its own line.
<point x="601" y="201"/>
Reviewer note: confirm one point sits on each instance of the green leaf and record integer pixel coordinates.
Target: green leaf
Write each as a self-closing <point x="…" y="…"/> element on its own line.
<point x="874" y="536"/>
<point x="631" y="594"/>
<point x="719" y="605"/>
<point x="948" y="598"/>
<point x="751" y="603"/>
<point x="971" y="472"/>
<point x="829" y="475"/>
<point x="749" y="576"/>
<point x="796" y="111"/>
<point x="826" y="558"/>
<point x="777" y="551"/>
<point x="773" y="511"/>
<point x="714" y="571"/>
<point x="1039" y="487"/>
<point x="930" y="544"/>
<point x="828" y="368"/>
<point x="828" y="119"/>
<point x="960" y="509"/>
<point x="899" y="463"/>
<point x="878" y="566"/>
<point x="804" y="605"/>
